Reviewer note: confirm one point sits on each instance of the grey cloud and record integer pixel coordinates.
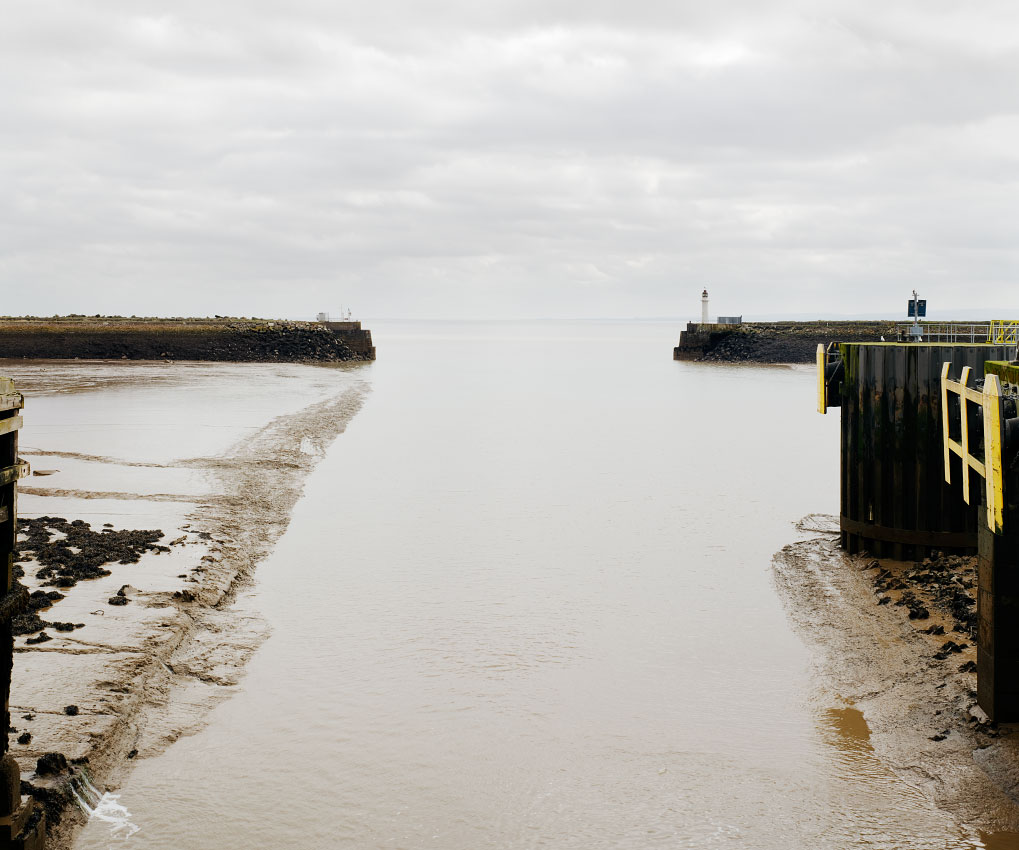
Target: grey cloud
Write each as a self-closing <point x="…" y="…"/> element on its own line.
<point x="556" y="158"/>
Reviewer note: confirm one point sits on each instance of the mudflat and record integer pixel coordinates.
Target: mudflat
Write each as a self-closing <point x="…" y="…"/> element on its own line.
<point x="158" y="490"/>
<point x="894" y="645"/>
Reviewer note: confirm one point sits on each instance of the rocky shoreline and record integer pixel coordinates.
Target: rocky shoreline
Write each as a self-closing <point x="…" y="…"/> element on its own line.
<point x="216" y="339"/>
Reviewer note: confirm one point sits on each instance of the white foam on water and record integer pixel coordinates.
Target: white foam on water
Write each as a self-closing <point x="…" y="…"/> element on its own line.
<point x="103" y="807"/>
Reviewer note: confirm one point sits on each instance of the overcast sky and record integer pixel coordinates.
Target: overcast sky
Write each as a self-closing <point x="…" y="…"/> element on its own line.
<point x="486" y="158"/>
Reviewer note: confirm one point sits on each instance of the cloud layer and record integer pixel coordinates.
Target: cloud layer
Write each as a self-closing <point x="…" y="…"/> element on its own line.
<point x="519" y="159"/>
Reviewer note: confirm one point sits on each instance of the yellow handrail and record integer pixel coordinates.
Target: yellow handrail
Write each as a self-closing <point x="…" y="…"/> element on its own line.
<point x="1003" y="332"/>
<point x="990" y="467"/>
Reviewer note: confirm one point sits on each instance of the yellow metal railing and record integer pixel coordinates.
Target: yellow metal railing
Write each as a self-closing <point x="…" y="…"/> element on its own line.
<point x="1003" y="332"/>
<point x="822" y="394"/>
<point x="828" y="357"/>
<point x="988" y="467"/>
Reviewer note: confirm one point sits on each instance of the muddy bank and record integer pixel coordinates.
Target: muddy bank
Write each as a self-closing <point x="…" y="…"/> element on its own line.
<point x="218" y="339"/>
<point x="774" y="342"/>
<point x="894" y="642"/>
<point x="136" y="625"/>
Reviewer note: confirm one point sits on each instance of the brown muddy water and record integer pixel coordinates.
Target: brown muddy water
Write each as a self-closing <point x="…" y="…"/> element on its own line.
<point x="526" y="601"/>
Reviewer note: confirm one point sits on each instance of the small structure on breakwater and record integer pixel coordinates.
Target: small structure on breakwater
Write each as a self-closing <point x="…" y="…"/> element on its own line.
<point x="702" y="336"/>
<point x="930" y="462"/>
<point x="220" y="338"/>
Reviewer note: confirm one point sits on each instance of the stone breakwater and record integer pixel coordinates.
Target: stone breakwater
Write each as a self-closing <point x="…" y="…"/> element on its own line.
<point x="772" y="342"/>
<point x="223" y="339"/>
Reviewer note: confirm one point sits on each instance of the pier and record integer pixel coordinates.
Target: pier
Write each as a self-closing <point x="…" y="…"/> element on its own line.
<point x="929" y="463"/>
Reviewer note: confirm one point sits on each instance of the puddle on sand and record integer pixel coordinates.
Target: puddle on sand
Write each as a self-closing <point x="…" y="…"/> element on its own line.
<point x="849" y="722"/>
<point x="854" y="740"/>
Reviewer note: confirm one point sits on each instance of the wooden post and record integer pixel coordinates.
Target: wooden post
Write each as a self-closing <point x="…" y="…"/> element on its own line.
<point x="22" y="826"/>
<point x="997" y="624"/>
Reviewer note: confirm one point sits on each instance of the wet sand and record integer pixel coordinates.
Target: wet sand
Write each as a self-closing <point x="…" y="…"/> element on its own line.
<point x="893" y="644"/>
<point x="218" y="473"/>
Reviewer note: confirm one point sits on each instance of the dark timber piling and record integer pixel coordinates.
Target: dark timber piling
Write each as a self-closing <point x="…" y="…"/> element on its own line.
<point x="998" y="619"/>
<point x="997" y="446"/>
<point x="894" y="499"/>
<point x="907" y="410"/>
<point x="21" y="822"/>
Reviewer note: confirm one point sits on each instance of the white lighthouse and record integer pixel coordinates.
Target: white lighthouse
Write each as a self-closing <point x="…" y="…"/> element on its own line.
<point x="704" y="307"/>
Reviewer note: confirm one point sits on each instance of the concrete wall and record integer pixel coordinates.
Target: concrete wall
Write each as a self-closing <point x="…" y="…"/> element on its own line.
<point x="354" y="337"/>
<point x="699" y="338"/>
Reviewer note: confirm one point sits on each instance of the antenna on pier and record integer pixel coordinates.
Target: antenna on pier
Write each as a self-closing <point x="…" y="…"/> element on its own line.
<point x="916" y="310"/>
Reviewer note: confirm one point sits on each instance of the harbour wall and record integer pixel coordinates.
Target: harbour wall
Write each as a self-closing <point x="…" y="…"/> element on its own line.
<point x="895" y="500"/>
<point x="220" y="338"/>
<point x="772" y="342"/>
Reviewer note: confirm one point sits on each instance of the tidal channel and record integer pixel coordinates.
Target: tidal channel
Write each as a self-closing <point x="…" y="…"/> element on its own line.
<point x="526" y="601"/>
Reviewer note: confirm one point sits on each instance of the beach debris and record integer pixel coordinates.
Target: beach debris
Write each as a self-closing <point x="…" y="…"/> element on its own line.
<point x="29" y="622"/>
<point x="948" y="648"/>
<point x="71" y="710"/>
<point x="50" y="763"/>
<point x="978" y="715"/>
<point x="70" y="552"/>
<point x="916" y="610"/>
<point x="120" y="598"/>
<point x="25" y="738"/>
